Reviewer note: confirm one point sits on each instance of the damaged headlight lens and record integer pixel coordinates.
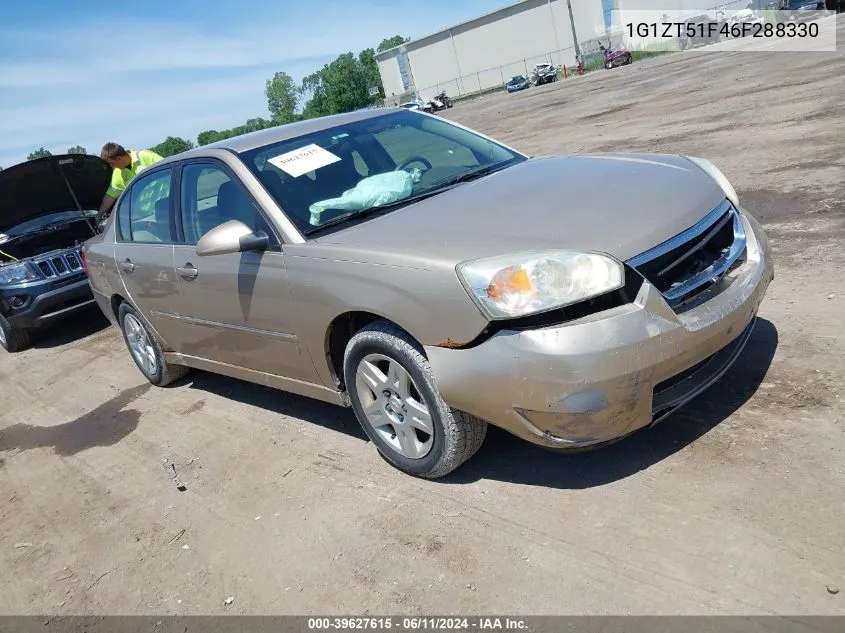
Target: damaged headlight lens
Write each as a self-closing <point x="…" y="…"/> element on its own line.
<point x="718" y="176"/>
<point x="528" y="283"/>
<point x="17" y="273"/>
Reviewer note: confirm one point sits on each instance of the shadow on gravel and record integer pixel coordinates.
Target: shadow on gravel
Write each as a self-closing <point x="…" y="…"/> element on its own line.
<point x="507" y="458"/>
<point x="69" y="329"/>
<point x="334" y="418"/>
<point x="106" y="425"/>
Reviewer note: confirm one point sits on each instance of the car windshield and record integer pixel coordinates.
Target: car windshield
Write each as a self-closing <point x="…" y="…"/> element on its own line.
<point x="380" y="163"/>
<point x="45" y="221"/>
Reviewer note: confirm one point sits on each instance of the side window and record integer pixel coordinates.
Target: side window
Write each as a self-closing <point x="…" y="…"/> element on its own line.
<point x="124" y="222"/>
<point x="210" y="198"/>
<point x="402" y="142"/>
<point x="144" y="214"/>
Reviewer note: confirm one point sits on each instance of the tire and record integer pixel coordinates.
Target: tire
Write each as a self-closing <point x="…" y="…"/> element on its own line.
<point x="158" y="371"/>
<point x="12" y="340"/>
<point x="382" y="350"/>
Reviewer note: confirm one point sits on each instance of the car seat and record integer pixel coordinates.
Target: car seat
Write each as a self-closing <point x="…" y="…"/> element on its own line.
<point x="233" y="204"/>
<point x="293" y="195"/>
<point x="332" y="180"/>
<point x="159" y="229"/>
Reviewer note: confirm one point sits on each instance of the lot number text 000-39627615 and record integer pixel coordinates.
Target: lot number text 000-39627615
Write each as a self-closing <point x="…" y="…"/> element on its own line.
<point x="710" y="30"/>
<point x="417" y="623"/>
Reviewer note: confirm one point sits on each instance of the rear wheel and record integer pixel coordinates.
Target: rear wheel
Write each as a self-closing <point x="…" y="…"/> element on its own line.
<point x="145" y="349"/>
<point x="393" y="394"/>
<point x="11" y="339"/>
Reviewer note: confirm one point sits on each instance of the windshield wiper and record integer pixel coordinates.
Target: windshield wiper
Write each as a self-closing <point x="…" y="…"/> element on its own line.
<point x="471" y="175"/>
<point x="362" y="213"/>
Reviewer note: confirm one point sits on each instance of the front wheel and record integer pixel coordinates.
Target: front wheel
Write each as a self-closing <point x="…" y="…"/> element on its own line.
<point x="392" y="391"/>
<point x="145" y="349"/>
<point x="12" y="339"/>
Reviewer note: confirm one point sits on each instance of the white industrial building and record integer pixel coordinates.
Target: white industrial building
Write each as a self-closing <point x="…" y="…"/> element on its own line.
<point x="487" y="51"/>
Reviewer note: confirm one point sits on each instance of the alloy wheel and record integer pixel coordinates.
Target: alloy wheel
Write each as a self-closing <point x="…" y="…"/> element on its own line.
<point x="394" y="406"/>
<point x="140" y="344"/>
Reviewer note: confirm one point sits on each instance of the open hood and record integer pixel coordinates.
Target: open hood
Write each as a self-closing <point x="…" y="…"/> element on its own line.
<point x="43" y="186"/>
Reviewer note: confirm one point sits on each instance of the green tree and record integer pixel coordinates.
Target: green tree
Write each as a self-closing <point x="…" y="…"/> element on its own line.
<point x="252" y="125"/>
<point x="208" y="137"/>
<point x="39" y="153"/>
<point x="172" y="145"/>
<point x="390" y="42"/>
<point x="282" y="98"/>
<point x="76" y="149"/>
<point x="342" y="86"/>
<point x="369" y="65"/>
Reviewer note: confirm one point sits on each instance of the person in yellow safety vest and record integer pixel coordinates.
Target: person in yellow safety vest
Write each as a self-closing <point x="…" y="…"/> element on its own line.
<point x="126" y="164"/>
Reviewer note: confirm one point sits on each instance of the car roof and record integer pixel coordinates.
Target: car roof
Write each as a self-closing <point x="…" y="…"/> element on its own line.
<point x="251" y="140"/>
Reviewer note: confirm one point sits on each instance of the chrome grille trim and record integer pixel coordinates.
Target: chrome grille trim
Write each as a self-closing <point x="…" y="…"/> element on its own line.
<point x="60" y="265"/>
<point x="707" y="227"/>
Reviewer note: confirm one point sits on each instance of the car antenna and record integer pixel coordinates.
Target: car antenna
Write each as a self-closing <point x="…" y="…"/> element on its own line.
<point x="73" y="194"/>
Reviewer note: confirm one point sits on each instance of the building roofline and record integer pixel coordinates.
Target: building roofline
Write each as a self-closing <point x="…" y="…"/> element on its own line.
<point x="383" y="54"/>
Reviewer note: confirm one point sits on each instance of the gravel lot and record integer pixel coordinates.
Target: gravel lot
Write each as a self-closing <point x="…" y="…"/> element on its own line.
<point x="736" y="505"/>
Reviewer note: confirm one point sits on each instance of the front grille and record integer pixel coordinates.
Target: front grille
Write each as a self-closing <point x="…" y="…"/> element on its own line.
<point x="73" y="262"/>
<point x="686" y="265"/>
<point x="60" y="265"/>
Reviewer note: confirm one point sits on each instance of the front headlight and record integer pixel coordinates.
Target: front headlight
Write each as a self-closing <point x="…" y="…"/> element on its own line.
<point x="528" y="283"/>
<point x="17" y="273"/>
<point x="718" y="176"/>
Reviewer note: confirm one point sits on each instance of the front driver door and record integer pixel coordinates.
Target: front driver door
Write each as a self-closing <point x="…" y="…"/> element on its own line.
<point x="234" y="308"/>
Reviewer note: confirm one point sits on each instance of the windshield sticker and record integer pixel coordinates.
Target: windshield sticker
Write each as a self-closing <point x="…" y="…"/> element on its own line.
<point x="303" y="160"/>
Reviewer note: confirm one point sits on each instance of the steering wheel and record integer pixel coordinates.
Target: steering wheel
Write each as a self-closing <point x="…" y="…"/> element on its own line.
<point x="414" y="159"/>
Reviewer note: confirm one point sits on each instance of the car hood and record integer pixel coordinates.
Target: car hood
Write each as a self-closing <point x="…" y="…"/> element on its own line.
<point x="619" y="204"/>
<point x="43" y="186"/>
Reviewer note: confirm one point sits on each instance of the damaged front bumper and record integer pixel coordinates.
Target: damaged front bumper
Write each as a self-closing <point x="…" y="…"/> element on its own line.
<point x="602" y="377"/>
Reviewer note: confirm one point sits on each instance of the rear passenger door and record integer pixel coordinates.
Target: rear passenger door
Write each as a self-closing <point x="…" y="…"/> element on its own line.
<point x="144" y="248"/>
<point x="234" y="308"/>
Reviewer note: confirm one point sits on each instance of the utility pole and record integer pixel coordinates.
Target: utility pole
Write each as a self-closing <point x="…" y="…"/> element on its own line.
<point x="574" y="34"/>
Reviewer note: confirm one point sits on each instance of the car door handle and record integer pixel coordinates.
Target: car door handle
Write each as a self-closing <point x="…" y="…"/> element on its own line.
<point x="187" y="271"/>
<point x="127" y="266"/>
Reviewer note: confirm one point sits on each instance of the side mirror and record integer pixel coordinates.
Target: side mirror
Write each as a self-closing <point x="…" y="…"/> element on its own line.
<point x="231" y="237"/>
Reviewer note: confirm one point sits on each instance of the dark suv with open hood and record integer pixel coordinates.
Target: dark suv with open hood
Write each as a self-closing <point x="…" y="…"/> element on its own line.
<point x="47" y="210"/>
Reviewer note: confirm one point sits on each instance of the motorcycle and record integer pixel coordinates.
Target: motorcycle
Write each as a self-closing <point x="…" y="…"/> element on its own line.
<point x="444" y="99"/>
<point x="439" y="102"/>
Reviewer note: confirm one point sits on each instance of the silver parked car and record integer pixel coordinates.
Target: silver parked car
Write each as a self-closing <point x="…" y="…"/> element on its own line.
<point x="435" y="280"/>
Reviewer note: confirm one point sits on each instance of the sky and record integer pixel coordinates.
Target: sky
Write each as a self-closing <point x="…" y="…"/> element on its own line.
<point x="87" y="72"/>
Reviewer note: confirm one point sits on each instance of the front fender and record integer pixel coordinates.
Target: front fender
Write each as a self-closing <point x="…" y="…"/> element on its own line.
<point x="428" y="302"/>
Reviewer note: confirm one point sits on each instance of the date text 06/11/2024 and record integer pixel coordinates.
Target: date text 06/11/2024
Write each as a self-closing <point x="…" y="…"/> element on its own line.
<point x="710" y="30"/>
<point x="417" y="624"/>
